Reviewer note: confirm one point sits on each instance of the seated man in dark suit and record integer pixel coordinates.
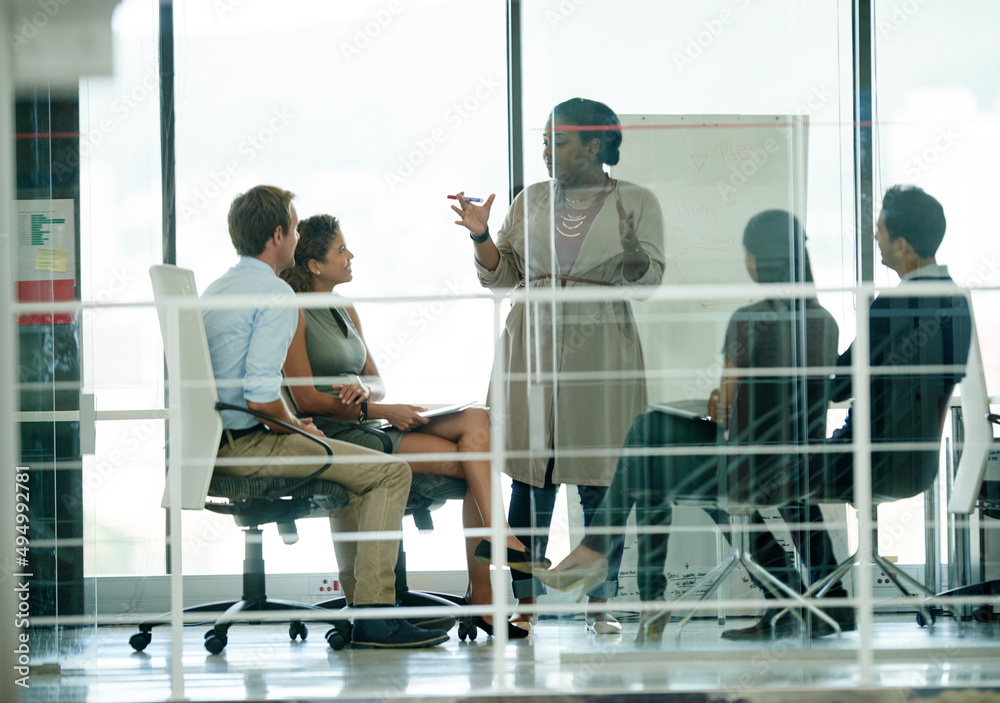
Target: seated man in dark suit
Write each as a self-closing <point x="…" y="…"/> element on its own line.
<point x="929" y="331"/>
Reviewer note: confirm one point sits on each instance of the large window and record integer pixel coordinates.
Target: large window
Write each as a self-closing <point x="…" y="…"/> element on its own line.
<point x="707" y="60"/>
<point x="375" y="111"/>
<point x="121" y="235"/>
<point x="372" y="112"/>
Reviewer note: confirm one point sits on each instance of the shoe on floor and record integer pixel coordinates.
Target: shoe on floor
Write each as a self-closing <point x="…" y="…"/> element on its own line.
<point x="844" y="616"/>
<point x="524" y="622"/>
<point x="760" y="630"/>
<point x="585" y="576"/>
<point x="788" y="625"/>
<point x="603" y="624"/>
<point x="393" y="634"/>
<point x="513" y="631"/>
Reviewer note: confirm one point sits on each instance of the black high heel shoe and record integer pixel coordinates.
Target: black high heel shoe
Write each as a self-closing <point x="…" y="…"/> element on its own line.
<point x="517" y="560"/>
<point x="467" y="627"/>
<point x="513" y="631"/>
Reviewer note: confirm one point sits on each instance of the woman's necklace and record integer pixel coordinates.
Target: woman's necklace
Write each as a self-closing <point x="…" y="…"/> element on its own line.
<point x="570" y="225"/>
<point x="569" y="222"/>
<point x="586" y="197"/>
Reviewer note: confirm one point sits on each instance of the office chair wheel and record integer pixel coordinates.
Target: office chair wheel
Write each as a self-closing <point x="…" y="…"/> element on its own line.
<point x="922" y="622"/>
<point x="139" y="640"/>
<point x="337" y="637"/>
<point x="298" y="629"/>
<point x="467" y="629"/>
<point x="215" y="643"/>
<point x="983" y="614"/>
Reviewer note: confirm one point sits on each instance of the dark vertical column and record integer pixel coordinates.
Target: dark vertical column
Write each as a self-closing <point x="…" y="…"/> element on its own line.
<point x="863" y="144"/>
<point x="47" y="163"/>
<point x="167" y="175"/>
<point x="167" y="133"/>
<point x="515" y="98"/>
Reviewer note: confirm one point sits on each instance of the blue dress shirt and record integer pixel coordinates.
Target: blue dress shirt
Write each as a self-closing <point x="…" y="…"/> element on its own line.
<point x="248" y="345"/>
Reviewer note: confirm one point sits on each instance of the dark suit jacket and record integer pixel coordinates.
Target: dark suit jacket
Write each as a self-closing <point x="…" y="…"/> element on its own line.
<point x="907" y="404"/>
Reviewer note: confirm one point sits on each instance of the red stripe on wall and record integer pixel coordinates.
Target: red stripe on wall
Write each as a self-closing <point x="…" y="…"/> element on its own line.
<point x="46" y="292"/>
<point x="47" y="135"/>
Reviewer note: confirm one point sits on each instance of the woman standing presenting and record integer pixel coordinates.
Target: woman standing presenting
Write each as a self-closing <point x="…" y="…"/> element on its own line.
<point x="580" y="229"/>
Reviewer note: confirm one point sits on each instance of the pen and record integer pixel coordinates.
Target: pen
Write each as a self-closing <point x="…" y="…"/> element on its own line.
<point x="471" y="200"/>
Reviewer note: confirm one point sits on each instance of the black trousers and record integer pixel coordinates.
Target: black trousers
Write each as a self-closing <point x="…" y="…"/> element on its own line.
<point x="651" y="484"/>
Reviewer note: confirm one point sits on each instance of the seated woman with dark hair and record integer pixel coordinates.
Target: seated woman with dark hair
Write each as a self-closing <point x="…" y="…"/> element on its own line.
<point x="327" y="343"/>
<point x="749" y="408"/>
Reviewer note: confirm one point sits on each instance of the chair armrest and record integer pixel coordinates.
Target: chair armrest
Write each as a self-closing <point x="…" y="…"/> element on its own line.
<point x="291" y="428"/>
<point x="376" y="432"/>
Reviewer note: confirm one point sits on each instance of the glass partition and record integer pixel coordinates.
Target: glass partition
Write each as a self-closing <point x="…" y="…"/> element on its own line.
<point x="377" y="112"/>
<point x="658" y="340"/>
<point x="689" y="85"/>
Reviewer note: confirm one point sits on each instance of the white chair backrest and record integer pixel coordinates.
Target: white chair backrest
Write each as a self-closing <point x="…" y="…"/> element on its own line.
<point x="978" y="431"/>
<point x="200" y="427"/>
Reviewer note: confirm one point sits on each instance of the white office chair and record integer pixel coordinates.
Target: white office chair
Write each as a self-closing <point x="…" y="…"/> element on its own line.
<point x="975" y="405"/>
<point x="975" y="441"/>
<point x="252" y="501"/>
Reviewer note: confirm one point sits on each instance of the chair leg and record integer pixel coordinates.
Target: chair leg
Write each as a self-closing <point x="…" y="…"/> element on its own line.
<point x="714" y="578"/>
<point x="818" y="589"/>
<point x="896" y="575"/>
<point x="230" y="612"/>
<point x="823" y="585"/>
<point x="739" y="537"/>
<point x="719" y="546"/>
<point x="779" y="589"/>
<point x="741" y="524"/>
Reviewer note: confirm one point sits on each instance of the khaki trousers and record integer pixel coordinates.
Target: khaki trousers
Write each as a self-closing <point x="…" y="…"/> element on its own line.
<point x="378" y="487"/>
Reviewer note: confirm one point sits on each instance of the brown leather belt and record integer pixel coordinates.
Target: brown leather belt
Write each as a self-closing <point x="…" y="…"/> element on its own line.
<point x="560" y="277"/>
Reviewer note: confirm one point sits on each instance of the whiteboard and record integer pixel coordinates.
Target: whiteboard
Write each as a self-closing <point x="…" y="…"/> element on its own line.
<point x="711" y="173"/>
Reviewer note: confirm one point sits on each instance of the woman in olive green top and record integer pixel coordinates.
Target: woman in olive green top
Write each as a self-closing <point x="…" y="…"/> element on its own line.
<point x="329" y="343"/>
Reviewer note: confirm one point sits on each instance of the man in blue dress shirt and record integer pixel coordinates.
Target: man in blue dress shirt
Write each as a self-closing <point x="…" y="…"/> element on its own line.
<point x="248" y="348"/>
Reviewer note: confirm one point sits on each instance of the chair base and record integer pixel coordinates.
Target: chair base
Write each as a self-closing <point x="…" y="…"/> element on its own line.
<point x="254" y="600"/>
<point x="925" y="615"/>
<point x="741" y="556"/>
<point x="984" y="613"/>
<point x="232" y="612"/>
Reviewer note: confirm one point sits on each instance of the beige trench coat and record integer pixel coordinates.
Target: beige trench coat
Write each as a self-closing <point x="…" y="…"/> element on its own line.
<point x="599" y="386"/>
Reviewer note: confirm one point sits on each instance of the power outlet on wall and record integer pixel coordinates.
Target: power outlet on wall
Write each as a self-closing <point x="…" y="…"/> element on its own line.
<point x="881" y="578"/>
<point x="326" y="586"/>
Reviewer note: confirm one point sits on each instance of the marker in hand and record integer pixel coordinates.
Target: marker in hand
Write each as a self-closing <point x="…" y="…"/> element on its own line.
<point x="468" y="200"/>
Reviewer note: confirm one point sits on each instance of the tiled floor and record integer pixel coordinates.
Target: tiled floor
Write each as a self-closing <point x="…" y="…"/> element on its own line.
<point x="261" y="664"/>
